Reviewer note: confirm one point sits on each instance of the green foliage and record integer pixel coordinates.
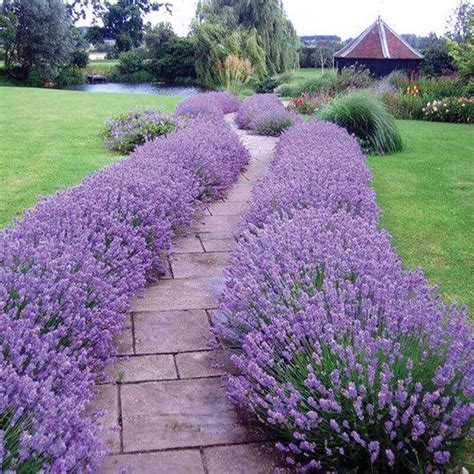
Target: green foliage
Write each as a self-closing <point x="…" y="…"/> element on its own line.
<point x="170" y="57"/>
<point x="36" y="34"/>
<point x="320" y="56"/>
<point x="436" y="60"/>
<point x="257" y="30"/>
<point x="265" y="84"/>
<point x="218" y="36"/>
<point x="123" y="22"/>
<point x="365" y="116"/>
<point x="132" y="61"/>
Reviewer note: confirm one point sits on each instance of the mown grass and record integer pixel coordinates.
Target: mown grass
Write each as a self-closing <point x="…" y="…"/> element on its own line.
<point x="50" y="139"/>
<point x="104" y="68"/>
<point x="426" y="193"/>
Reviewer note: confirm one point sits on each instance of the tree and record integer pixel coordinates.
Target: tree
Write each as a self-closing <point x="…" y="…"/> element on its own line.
<point x="123" y="22"/>
<point x="79" y="8"/>
<point x="276" y="34"/>
<point x="436" y="59"/>
<point x="170" y="56"/>
<point x="218" y="35"/>
<point x="461" y="38"/>
<point x="36" y="34"/>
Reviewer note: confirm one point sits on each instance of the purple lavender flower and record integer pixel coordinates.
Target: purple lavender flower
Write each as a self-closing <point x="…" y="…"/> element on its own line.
<point x="68" y="272"/>
<point x="337" y="341"/>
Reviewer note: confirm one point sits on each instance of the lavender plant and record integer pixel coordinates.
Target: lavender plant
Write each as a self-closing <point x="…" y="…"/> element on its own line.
<point x="125" y="132"/>
<point x="68" y="271"/>
<point x="214" y="103"/>
<point x="354" y="363"/>
<point x="266" y="114"/>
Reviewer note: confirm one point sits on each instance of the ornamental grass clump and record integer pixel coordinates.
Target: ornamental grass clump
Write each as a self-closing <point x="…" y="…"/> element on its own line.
<point x="126" y="131"/>
<point x="366" y="117"/>
<point x="266" y="114"/>
<point x="352" y="361"/>
<point x="214" y="103"/>
<point x="68" y="272"/>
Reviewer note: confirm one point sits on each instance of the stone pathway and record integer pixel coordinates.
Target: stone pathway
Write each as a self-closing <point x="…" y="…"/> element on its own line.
<point x="166" y="404"/>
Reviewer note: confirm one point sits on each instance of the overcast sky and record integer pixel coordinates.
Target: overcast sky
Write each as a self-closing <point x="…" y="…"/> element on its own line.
<point x="345" y="18"/>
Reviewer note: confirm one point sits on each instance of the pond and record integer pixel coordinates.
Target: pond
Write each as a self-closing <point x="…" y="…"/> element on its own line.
<point x="138" y="88"/>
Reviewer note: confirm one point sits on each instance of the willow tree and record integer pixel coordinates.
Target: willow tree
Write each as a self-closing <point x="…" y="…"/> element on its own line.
<point x="276" y="33"/>
<point x="218" y="35"/>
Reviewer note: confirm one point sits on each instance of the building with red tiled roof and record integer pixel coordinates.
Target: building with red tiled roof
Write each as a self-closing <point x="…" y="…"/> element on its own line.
<point x="380" y="50"/>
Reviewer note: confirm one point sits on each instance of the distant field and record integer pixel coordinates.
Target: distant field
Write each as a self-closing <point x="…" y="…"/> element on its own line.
<point x="49" y="139"/>
<point x="101" y="67"/>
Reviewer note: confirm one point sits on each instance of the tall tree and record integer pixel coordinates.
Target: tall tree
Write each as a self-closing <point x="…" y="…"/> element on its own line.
<point x="123" y="22"/>
<point x="36" y="34"/>
<point x="276" y="33"/>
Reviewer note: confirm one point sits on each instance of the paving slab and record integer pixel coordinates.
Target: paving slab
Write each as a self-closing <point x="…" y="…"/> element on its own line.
<point x="172" y="331"/>
<point x="203" y="364"/>
<point x="228" y="208"/>
<point x="124" y="340"/>
<point x="196" y="265"/>
<point x="219" y="245"/>
<point x="180" y="294"/>
<point x="180" y="414"/>
<point x="106" y="401"/>
<point x="184" y="461"/>
<point x="216" y="223"/>
<point x="190" y="244"/>
<point x="142" y="368"/>
<point x="241" y="459"/>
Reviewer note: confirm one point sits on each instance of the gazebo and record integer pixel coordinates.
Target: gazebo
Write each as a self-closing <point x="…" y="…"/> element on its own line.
<point x="380" y="50"/>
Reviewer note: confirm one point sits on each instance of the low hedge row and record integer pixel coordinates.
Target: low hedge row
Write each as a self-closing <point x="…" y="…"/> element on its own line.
<point x="354" y="362"/>
<point x="68" y="271"/>
<point x="214" y="103"/>
<point x="265" y="114"/>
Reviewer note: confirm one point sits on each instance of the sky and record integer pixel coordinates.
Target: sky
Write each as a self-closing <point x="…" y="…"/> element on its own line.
<point x="345" y="18"/>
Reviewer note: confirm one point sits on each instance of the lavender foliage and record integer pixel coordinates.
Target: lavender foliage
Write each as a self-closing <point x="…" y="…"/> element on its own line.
<point x="125" y="132"/>
<point x="68" y="272"/>
<point x="214" y="103"/>
<point x="265" y="114"/>
<point x="354" y="362"/>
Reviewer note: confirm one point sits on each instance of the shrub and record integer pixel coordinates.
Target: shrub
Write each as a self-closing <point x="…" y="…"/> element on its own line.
<point x="365" y="116"/>
<point x="68" y="272"/>
<point x="209" y="103"/>
<point x="452" y="109"/>
<point x="273" y="122"/>
<point x="266" y="84"/>
<point x="125" y="132"/>
<point x="317" y="164"/>
<point x="255" y="104"/>
<point x="353" y="362"/>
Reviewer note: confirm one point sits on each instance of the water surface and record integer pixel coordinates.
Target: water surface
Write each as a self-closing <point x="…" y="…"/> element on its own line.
<point x="138" y="88"/>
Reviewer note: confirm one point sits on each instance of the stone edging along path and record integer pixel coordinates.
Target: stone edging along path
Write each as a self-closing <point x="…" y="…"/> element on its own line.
<point x="166" y="407"/>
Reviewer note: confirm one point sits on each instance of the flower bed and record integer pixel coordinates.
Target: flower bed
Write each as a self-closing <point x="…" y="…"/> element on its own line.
<point x="451" y="109"/>
<point x="355" y="363"/>
<point x="265" y="114"/>
<point x="210" y="103"/>
<point x="68" y="272"/>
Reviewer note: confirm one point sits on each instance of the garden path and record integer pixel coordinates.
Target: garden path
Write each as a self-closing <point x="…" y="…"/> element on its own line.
<point x="168" y="413"/>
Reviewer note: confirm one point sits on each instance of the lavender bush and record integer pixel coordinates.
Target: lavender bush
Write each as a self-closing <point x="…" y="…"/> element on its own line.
<point x="355" y="363"/>
<point x="316" y="164"/>
<point x="125" y="132"/>
<point x="68" y="272"/>
<point x="265" y="114"/>
<point x="215" y="103"/>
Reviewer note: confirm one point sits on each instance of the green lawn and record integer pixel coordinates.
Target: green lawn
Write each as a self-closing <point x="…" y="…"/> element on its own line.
<point x="101" y="67"/>
<point x="49" y="139"/>
<point x="426" y="193"/>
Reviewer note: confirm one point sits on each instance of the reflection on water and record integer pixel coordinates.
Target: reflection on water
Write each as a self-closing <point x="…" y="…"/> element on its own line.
<point x="138" y="88"/>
